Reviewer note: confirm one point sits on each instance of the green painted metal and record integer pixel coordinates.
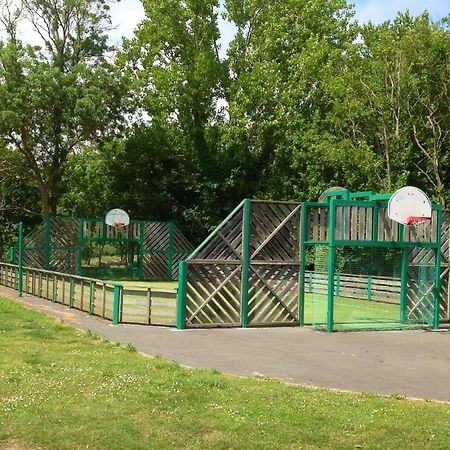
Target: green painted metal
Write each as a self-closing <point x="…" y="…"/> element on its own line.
<point x="91" y="297"/>
<point x="378" y="244"/>
<point x="362" y="194"/>
<point x="117" y="303"/>
<point x="401" y="232"/>
<point x="437" y="267"/>
<point x="181" y="297"/>
<point x="12" y="254"/>
<point x="20" y="274"/>
<point x="216" y="230"/>
<point x="375" y="223"/>
<point x="71" y="292"/>
<point x="380" y="197"/>
<point x="135" y="271"/>
<point x="245" y="261"/>
<point x="331" y="265"/>
<point x="369" y="287"/>
<point x="342" y="193"/>
<point x="170" y="252"/>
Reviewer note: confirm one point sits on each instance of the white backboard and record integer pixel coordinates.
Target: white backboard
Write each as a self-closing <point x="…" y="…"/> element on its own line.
<point x="409" y="205"/>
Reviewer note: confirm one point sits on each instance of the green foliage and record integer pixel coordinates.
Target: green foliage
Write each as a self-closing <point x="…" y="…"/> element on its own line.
<point x="304" y="99"/>
<point x="59" y="94"/>
<point x="19" y="201"/>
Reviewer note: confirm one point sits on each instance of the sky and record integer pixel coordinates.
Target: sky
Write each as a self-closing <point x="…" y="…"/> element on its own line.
<point x="128" y="13"/>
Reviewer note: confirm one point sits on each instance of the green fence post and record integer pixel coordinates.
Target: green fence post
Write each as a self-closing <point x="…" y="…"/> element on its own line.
<point x="369" y="287"/>
<point x="12" y="255"/>
<point x="171" y="252"/>
<point x="117" y="300"/>
<point x="331" y="265"/>
<point x="91" y="297"/>
<point x="437" y="269"/>
<point x="403" y="286"/>
<point x="301" y="281"/>
<point x="245" y="262"/>
<point x="20" y="274"/>
<point x="71" y="292"/>
<point x="181" y="297"/>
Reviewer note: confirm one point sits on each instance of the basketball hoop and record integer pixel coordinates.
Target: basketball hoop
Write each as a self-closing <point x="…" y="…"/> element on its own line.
<point x="117" y="218"/>
<point x="409" y="206"/>
<point x="417" y="220"/>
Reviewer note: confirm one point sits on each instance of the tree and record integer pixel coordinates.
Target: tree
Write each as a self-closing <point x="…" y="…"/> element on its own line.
<point x="60" y="94"/>
<point x="179" y="82"/>
<point x="392" y="100"/>
<point x="19" y="201"/>
<point x="284" y="55"/>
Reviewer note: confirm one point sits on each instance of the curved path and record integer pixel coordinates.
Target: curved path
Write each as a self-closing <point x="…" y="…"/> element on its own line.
<point x="409" y="363"/>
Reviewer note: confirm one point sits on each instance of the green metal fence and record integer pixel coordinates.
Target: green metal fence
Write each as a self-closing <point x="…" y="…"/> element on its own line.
<point x="89" y="247"/>
<point x="115" y="302"/>
<point x="338" y="264"/>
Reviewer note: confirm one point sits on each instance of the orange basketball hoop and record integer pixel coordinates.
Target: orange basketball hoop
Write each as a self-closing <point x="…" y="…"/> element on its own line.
<point x="417" y="220"/>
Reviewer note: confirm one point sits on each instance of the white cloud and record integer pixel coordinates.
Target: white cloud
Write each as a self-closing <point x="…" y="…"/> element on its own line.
<point x="125" y="16"/>
<point x="378" y="11"/>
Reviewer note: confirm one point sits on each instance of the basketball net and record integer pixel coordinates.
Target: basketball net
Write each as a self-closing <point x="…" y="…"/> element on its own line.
<point x="417" y="220"/>
<point x="119" y="225"/>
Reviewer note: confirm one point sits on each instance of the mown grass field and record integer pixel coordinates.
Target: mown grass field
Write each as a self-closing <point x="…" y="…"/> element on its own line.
<point x="64" y="389"/>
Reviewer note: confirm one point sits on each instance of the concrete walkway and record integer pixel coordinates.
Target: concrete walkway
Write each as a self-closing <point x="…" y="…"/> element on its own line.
<point x="409" y="363"/>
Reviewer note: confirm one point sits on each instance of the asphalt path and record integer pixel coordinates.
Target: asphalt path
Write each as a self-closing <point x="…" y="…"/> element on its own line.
<point x="408" y="363"/>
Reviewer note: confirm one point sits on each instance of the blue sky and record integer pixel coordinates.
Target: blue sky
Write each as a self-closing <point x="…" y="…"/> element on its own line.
<point x="128" y="13"/>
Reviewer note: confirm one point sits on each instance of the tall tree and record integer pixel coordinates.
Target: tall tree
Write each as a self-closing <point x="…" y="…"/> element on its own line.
<point x="19" y="201"/>
<point x="392" y="100"/>
<point x="284" y="54"/>
<point x="180" y="82"/>
<point x="61" y="92"/>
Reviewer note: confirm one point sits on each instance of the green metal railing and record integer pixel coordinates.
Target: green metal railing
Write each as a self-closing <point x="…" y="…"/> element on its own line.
<point x="115" y="302"/>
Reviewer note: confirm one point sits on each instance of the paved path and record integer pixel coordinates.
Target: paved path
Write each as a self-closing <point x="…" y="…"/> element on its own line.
<point x="410" y="363"/>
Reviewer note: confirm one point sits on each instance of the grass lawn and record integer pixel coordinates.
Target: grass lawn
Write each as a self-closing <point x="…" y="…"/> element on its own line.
<point x="64" y="389"/>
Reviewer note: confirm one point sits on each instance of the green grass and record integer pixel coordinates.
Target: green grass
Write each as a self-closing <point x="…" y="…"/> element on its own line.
<point x="64" y="389"/>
